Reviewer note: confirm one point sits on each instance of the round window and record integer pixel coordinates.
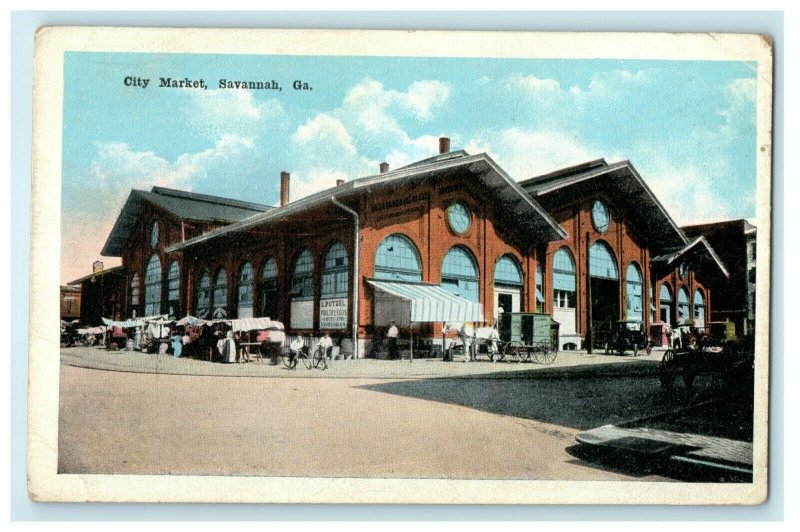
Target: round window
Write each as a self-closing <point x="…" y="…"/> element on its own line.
<point x="600" y="216"/>
<point x="459" y="218"/>
<point x="683" y="270"/>
<point x="154" y="236"/>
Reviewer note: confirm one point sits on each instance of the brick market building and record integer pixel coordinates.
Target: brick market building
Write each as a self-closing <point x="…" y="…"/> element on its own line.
<point x="452" y="224"/>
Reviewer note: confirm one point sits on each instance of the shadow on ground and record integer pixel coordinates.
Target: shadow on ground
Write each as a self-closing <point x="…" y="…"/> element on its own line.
<point x="581" y="397"/>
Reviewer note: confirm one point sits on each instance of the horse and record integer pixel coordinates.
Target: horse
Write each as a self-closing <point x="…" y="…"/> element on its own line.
<point x="472" y="337"/>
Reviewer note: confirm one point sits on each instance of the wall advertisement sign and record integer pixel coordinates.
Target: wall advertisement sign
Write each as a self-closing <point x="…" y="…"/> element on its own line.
<point x="333" y="313"/>
<point x="302" y="316"/>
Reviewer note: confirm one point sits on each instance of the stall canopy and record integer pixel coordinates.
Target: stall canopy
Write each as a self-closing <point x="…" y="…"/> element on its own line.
<point x="417" y="303"/>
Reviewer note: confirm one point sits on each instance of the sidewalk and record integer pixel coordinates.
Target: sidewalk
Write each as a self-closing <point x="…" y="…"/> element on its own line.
<point x="568" y="364"/>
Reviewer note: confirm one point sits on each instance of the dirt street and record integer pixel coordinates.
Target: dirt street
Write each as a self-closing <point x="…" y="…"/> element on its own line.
<point x="142" y="423"/>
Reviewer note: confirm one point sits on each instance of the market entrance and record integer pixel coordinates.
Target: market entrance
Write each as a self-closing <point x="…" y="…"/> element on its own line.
<point x="604" y="290"/>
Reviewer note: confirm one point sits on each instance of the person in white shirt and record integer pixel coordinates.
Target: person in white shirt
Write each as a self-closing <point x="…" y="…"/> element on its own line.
<point x="295" y="346"/>
<point x="325" y="343"/>
<point x="392" y="335"/>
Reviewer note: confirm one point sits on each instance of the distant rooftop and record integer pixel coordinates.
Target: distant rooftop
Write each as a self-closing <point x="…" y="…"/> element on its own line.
<point x="188" y="206"/>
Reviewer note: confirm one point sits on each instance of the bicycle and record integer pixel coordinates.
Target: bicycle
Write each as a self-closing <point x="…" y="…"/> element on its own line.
<point x="314" y="360"/>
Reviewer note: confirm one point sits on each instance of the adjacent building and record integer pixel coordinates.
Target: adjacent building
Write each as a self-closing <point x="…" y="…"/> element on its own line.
<point x="736" y="296"/>
<point x="449" y="238"/>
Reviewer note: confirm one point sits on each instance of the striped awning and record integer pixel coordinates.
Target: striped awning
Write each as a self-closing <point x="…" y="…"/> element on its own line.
<point x="432" y="303"/>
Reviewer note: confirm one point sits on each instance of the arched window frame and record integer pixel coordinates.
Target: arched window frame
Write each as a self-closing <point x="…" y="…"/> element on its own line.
<point x="203" y="307"/>
<point x="335" y="272"/>
<point x="269" y="289"/>
<point x="602" y="261"/>
<point x="460" y="273"/>
<point x="244" y="291"/>
<point x="219" y="302"/>
<point x="565" y="279"/>
<point x="507" y="271"/>
<point x="303" y="276"/>
<point x="684" y="309"/>
<point x="665" y="303"/>
<point x="134" y="298"/>
<point x="173" y="289"/>
<point x="397" y="258"/>
<point x="634" y="292"/>
<point x="699" y="308"/>
<point x="152" y="286"/>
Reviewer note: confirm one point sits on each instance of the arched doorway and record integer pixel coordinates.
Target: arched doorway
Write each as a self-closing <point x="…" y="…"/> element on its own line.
<point x="565" y="292"/>
<point x="507" y="285"/>
<point x="604" y="289"/>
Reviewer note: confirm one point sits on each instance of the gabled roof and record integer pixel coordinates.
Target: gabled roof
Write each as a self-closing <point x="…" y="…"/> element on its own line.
<point x="698" y="251"/>
<point x="620" y="180"/>
<point x="525" y="214"/>
<point x="186" y="206"/>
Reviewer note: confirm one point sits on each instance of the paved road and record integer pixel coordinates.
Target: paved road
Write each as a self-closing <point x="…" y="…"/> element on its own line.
<point x="119" y="422"/>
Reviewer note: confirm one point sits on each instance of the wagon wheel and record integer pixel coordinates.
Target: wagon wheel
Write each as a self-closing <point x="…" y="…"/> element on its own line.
<point x="513" y="349"/>
<point x="526" y="354"/>
<point x="545" y="355"/>
<point x="667" y="374"/>
<point x="608" y="348"/>
<point x="635" y="349"/>
<point x="501" y="354"/>
<point x="649" y="348"/>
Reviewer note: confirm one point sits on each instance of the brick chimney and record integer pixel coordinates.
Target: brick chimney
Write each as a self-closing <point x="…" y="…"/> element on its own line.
<point x="284" y="188"/>
<point x="339" y="182"/>
<point x="444" y="145"/>
<point x="384" y="167"/>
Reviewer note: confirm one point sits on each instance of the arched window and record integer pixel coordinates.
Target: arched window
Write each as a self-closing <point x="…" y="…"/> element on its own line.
<point x="507" y="272"/>
<point x="269" y="289"/>
<point x="397" y="259"/>
<point x="699" y="309"/>
<point x="633" y="291"/>
<point x="334" y="273"/>
<point x="665" y="304"/>
<point x="601" y="261"/>
<point x="564" y="280"/>
<point x="220" y="304"/>
<point x="244" y="307"/>
<point x="460" y="273"/>
<point x="134" y="294"/>
<point x="204" y="296"/>
<point x="683" y="305"/>
<point x="303" y="276"/>
<point x="173" y="289"/>
<point x="539" y="287"/>
<point x="152" y="287"/>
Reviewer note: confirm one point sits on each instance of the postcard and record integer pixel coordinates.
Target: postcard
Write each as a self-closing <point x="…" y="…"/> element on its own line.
<point x="340" y="266"/>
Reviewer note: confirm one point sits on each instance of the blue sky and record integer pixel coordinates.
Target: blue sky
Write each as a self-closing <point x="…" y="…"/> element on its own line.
<point x="687" y="126"/>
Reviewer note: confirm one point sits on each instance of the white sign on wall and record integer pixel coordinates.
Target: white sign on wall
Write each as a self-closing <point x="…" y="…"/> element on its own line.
<point x="333" y="313"/>
<point x="302" y="315"/>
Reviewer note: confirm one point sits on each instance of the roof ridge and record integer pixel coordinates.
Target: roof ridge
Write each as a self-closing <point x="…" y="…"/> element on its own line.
<point x="207" y="198"/>
<point x="567" y="171"/>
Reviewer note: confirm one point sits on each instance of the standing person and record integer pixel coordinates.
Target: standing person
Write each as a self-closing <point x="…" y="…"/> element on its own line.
<point x="392" y="335"/>
<point x="177" y="343"/>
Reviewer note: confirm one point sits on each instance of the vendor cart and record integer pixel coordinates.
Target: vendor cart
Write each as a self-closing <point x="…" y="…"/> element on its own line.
<point x="526" y="336"/>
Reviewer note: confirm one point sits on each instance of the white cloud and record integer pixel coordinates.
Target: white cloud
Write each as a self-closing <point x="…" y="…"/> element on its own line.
<point x="334" y="144"/>
<point x="534" y="84"/>
<point x="686" y="192"/>
<point x="324" y="128"/>
<point x="217" y="112"/>
<point x="116" y="169"/>
<point x="527" y="153"/>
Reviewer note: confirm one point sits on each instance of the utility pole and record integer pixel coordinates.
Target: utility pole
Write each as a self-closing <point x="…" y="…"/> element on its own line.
<point x="590" y="328"/>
